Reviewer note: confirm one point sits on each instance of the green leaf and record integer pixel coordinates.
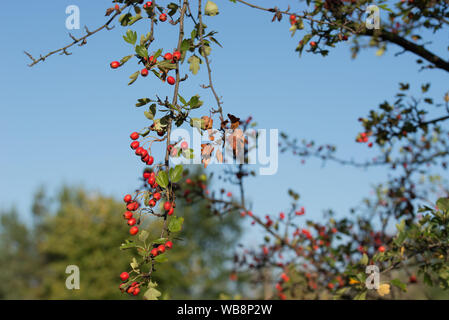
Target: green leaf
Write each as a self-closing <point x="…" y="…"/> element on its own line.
<point x="142" y="102"/>
<point x="211" y="9"/>
<point x="130" y="37"/>
<point x="159" y="241"/>
<point x="151" y="294"/>
<point x="134" y="19"/>
<point x="134" y="264"/>
<point x="175" y="224"/>
<point x="443" y="204"/>
<point x="194" y="63"/>
<point x="143" y="235"/>
<point x="165" y="64"/>
<point x="399" y="284"/>
<point x="142" y="51"/>
<point x="176" y="174"/>
<point x="161" y="258"/>
<point x="364" y="260"/>
<point x="151" y="112"/>
<point x="124" y="19"/>
<point x="183" y="101"/>
<point x="127" y="245"/>
<point x="125" y="59"/>
<point x="188" y="154"/>
<point x="162" y="179"/>
<point x="133" y="77"/>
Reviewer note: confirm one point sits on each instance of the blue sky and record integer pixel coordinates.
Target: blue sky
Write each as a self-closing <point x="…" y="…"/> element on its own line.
<point x="68" y="120"/>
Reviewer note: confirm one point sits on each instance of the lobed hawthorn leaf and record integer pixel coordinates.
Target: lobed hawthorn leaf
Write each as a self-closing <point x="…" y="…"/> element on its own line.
<point x="194" y="64"/>
<point x="175" y="224"/>
<point x="162" y="179"/>
<point x="176" y="174"/>
<point x="151" y="294"/>
<point x="130" y="37"/>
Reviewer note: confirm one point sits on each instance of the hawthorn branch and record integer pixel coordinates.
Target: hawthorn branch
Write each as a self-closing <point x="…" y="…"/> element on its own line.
<point x="174" y="101"/>
<point x="209" y="72"/>
<point x="409" y="46"/>
<point x="304" y="16"/>
<point x="63" y="50"/>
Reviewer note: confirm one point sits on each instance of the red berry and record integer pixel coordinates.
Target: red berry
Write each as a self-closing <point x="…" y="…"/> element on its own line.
<point x="169" y="245"/>
<point x="313" y="43"/>
<point x="151" y="180"/>
<point x="150" y="161"/>
<point x="115" y="64"/>
<point x="161" y="248"/>
<point x="177" y="55"/>
<point x="330" y="286"/>
<point x="413" y="279"/>
<point x="134" y="136"/>
<point x="134" y="145"/>
<point x="170" y="212"/>
<point x="144" y="153"/>
<point x="145" y="159"/>
<point x="139" y="151"/>
<point x="144" y="72"/>
<point x="132" y="222"/>
<point x="128" y="215"/>
<point x="133" y="231"/>
<point x="168" y="56"/>
<point x="285" y="277"/>
<point x="146" y="175"/>
<point x="132" y="206"/>
<point x="189" y="181"/>
<point x="136" y="291"/>
<point x="381" y="249"/>
<point x="117" y="7"/>
<point x="147" y="5"/>
<point x="127" y="198"/>
<point x="154" y="252"/>
<point x="124" y="276"/>
<point x="167" y="206"/>
<point x="157" y="196"/>
<point x="151" y="203"/>
<point x="163" y="17"/>
<point x="130" y="290"/>
<point x="171" y="80"/>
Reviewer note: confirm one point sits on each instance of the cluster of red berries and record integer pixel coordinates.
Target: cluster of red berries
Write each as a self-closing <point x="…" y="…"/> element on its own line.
<point x="161" y="248"/>
<point x="363" y="138"/>
<point x="292" y="19"/>
<point x="173" y="57"/>
<point x="133" y="288"/>
<point x="131" y="206"/>
<point x="284" y="278"/>
<point x="301" y="212"/>
<point x="144" y="155"/>
<point x="148" y="6"/>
